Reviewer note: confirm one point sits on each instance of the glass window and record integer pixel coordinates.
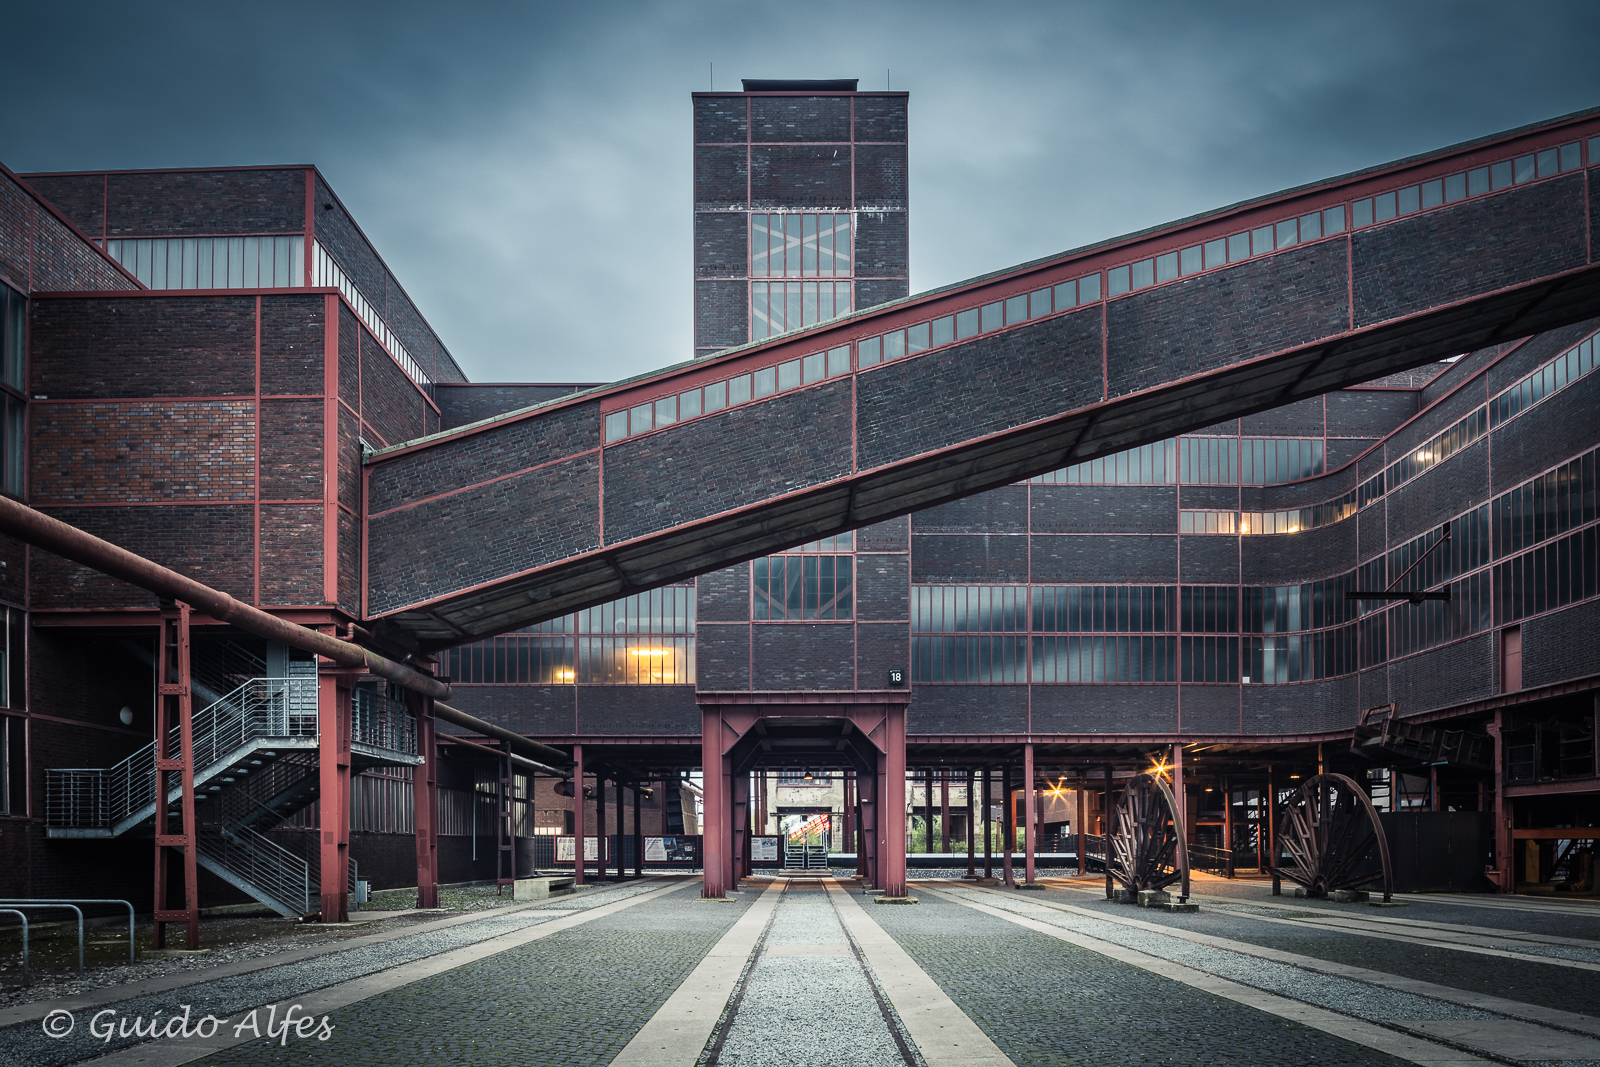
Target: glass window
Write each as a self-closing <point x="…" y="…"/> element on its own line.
<point x="966" y="323"/>
<point x="808" y="246"/>
<point x="616" y="426"/>
<point x="766" y="381"/>
<point x="1455" y="188"/>
<point x="639" y="419"/>
<point x="894" y="345"/>
<point x="1216" y="252"/>
<point x="1288" y="233"/>
<point x="717" y="396"/>
<point x="917" y="337"/>
<point x="1066" y="295"/>
<point x="1500" y="174"/>
<point x="993" y="316"/>
<point x="1410" y="199"/>
<point x="825" y="245"/>
<point x="1117" y="280"/>
<point x="1167" y="267"/>
<point x="1523" y="170"/>
<point x="791" y="247"/>
<point x="1432" y="193"/>
<point x="841" y="245"/>
<point x="1016" y="309"/>
<point x="1569" y="156"/>
<point x="841" y="298"/>
<point x="944" y="330"/>
<point x="1088" y="288"/>
<point x="666" y="411"/>
<point x="739" y="389"/>
<point x="1144" y="273"/>
<point x="1477" y="181"/>
<point x="808" y="313"/>
<point x="1238" y="247"/>
<point x="1547" y="163"/>
<point x="788" y="375"/>
<point x="1361" y="212"/>
<point x="13" y="345"/>
<point x="1383" y="207"/>
<point x="689" y="404"/>
<point x="1261" y="240"/>
<point x="1038" y="303"/>
<point x="813" y="367"/>
<point x="792" y="320"/>
<point x="839" y="360"/>
<point x="825" y="300"/>
<point x="1333" y="220"/>
<point x="1189" y="260"/>
<point x="1311" y="226"/>
<point x="758" y="246"/>
<point x="869" y="351"/>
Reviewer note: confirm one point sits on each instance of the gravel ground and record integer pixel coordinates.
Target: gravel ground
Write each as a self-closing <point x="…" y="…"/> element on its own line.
<point x="808" y="1011"/>
<point x="1048" y="1003"/>
<point x="26" y="1044"/>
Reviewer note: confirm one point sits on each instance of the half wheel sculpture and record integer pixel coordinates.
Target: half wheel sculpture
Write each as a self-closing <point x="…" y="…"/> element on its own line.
<point x="1331" y="833"/>
<point x="1147" y="847"/>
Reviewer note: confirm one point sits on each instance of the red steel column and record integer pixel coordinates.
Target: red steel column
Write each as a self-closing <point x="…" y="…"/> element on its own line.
<point x="579" y="823"/>
<point x="333" y="797"/>
<point x="1505" y="861"/>
<point x="1180" y="824"/>
<point x="174" y="711"/>
<point x="892" y="818"/>
<point x="944" y="810"/>
<point x="972" y="828"/>
<point x="713" y="828"/>
<point x="425" y="801"/>
<point x="1029" y="845"/>
<point x="740" y="785"/>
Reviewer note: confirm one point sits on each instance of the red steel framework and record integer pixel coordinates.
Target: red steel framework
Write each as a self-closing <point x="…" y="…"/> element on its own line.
<point x="175" y="720"/>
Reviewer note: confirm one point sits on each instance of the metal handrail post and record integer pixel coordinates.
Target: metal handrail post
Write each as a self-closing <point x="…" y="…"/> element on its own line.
<point x="27" y="980"/>
<point x="75" y="900"/>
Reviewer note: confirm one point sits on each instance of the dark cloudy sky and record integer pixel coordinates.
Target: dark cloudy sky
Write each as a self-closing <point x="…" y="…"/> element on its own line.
<point x="525" y="168"/>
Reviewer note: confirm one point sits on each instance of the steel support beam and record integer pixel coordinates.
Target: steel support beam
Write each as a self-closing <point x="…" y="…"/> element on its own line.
<point x="174" y="712"/>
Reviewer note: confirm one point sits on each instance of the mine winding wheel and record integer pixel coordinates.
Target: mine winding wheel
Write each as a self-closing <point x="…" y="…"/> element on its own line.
<point x="1147" y="847"/>
<point x="1334" y="840"/>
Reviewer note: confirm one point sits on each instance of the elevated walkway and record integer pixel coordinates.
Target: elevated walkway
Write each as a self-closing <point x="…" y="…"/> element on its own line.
<point x="658" y="478"/>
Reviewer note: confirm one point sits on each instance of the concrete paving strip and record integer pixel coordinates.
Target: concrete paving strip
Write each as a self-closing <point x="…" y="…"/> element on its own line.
<point x="677" y="1033"/>
<point x="172" y="1053"/>
<point x="1403" y="1046"/>
<point x="942" y="1032"/>
<point x="1404" y="924"/>
<point x="1466" y="998"/>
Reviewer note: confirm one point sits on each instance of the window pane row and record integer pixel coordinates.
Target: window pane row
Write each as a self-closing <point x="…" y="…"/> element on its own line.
<point x="1104" y="659"/>
<point x="1546" y="507"/>
<point x="803" y="587"/>
<point x="668" y="610"/>
<point x="969" y="609"/>
<point x="1415" y="627"/>
<point x="800" y="245"/>
<point x="1209" y="659"/>
<point x="213" y="262"/>
<point x="1467" y="551"/>
<point x="1155" y="464"/>
<point x="528" y="659"/>
<point x="1439" y="449"/>
<point x="1105" y="608"/>
<point x="1548" y="577"/>
<point x="1224" y="250"/>
<point x="1290" y="608"/>
<point x="1300" y="657"/>
<point x="1541" y="383"/>
<point x="1208" y="522"/>
<point x="778" y="307"/>
<point x="1269" y="461"/>
<point x="1448" y="190"/>
<point x="996" y="660"/>
<point x="13" y="336"/>
<point x="740" y="389"/>
<point x="326" y="273"/>
<point x="978" y="320"/>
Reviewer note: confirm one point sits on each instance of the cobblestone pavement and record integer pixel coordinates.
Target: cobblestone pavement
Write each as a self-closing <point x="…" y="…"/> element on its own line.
<point x="574" y="998"/>
<point x="1045" y="1002"/>
<point x="1522" y="979"/>
<point x="232" y="997"/>
<point x="808" y="1001"/>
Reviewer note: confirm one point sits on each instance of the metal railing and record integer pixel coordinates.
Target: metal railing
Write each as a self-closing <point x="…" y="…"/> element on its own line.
<point x="269" y="869"/>
<point x="27" y="979"/>
<point x="382" y="722"/>
<point x="53" y="902"/>
<point x="262" y="707"/>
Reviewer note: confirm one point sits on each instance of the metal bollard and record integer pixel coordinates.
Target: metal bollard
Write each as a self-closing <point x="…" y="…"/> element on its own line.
<point x="132" y="954"/>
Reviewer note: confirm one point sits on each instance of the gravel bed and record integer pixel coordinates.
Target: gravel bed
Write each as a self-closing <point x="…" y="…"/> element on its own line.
<point x="26" y="1043"/>
<point x="1342" y="995"/>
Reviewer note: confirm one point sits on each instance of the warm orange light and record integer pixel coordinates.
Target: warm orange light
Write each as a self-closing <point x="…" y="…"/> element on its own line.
<point x="565" y="676"/>
<point x="649" y="651"/>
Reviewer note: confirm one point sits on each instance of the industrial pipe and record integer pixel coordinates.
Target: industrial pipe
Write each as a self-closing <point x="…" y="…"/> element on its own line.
<point x="542" y="768"/>
<point x="499" y="733"/>
<point x="40" y="530"/>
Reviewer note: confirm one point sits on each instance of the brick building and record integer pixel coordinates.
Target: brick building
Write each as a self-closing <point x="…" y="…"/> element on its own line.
<point x="1063" y="521"/>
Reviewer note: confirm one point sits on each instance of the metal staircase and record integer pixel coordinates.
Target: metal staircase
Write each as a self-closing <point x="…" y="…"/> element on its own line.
<point x="255" y="759"/>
